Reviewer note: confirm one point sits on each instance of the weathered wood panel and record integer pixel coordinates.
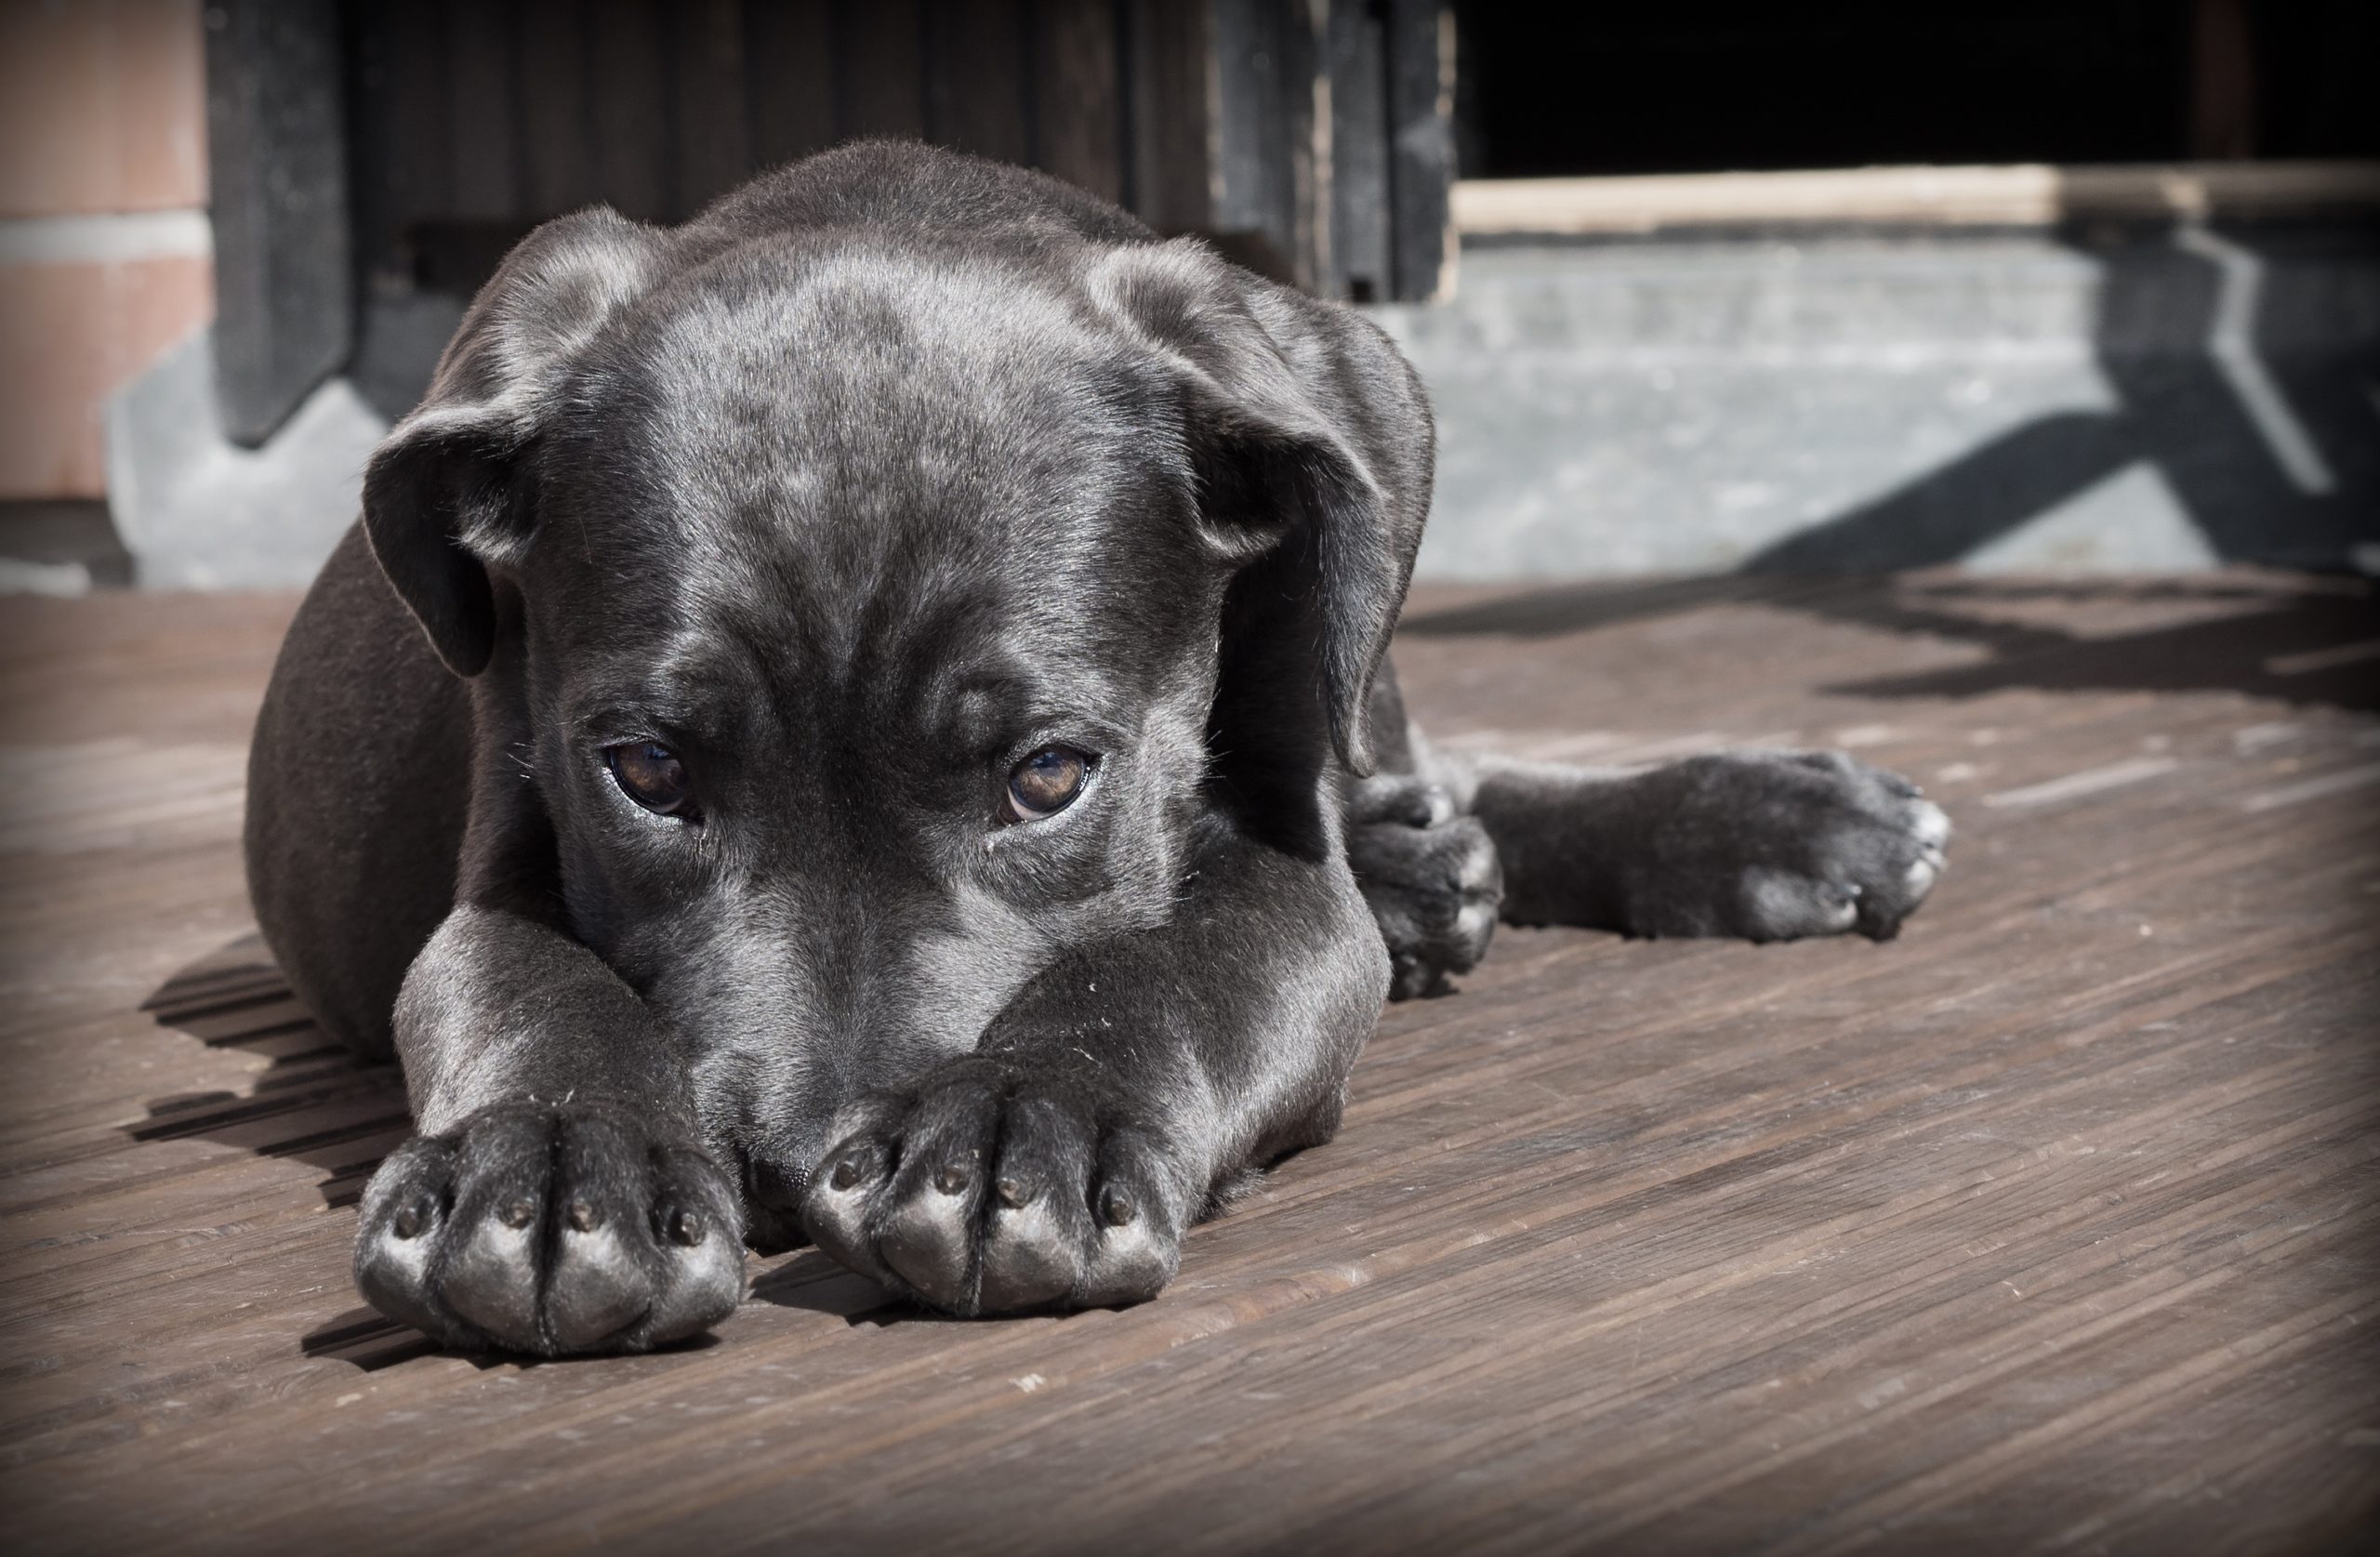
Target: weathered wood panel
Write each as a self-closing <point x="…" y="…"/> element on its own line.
<point x="630" y="91"/>
<point x="789" y="63"/>
<point x="1362" y="264"/>
<point x="479" y="62"/>
<point x="284" y="281"/>
<point x="1421" y="38"/>
<point x="1078" y="65"/>
<point x="1266" y="78"/>
<point x="1170" y="69"/>
<point x="978" y="79"/>
<point x="2052" y="1224"/>
<point x="882" y="83"/>
<point x="475" y="121"/>
<point x="713" y="140"/>
<point x="557" y="108"/>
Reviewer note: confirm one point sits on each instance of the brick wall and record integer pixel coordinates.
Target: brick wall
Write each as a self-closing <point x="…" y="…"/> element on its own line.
<point x="105" y="259"/>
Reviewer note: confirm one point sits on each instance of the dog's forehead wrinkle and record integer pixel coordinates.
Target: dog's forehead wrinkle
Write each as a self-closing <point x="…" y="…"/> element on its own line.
<point x="665" y="675"/>
<point x="797" y="483"/>
<point x="849" y="321"/>
<point x="823" y="370"/>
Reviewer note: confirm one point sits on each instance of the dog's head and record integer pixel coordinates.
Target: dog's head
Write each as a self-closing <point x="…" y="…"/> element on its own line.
<point x="875" y="615"/>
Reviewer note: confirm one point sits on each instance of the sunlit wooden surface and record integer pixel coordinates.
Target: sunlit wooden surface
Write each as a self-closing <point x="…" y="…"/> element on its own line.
<point x="2051" y="1224"/>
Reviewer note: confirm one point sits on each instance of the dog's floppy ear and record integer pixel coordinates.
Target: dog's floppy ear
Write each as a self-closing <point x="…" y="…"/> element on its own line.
<point x="450" y="491"/>
<point x="1306" y="427"/>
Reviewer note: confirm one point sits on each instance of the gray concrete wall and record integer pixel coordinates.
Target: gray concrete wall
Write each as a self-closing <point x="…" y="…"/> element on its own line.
<point x="2166" y="401"/>
<point x="1843" y="404"/>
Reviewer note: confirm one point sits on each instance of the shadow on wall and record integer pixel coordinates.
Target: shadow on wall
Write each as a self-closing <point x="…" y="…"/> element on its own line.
<point x="2258" y="406"/>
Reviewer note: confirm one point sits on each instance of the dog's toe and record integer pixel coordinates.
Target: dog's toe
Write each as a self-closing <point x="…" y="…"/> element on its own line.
<point x="927" y="1233"/>
<point x="490" y="1280"/>
<point x="694" y="1226"/>
<point x="404" y="1214"/>
<point x="1031" y="1257"/>
<point x="1138" y="1236"/>
<point x="597" y="1289"/>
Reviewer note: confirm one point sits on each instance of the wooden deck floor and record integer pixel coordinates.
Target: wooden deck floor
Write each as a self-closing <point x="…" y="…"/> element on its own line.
<point x="2052" y="1224"/>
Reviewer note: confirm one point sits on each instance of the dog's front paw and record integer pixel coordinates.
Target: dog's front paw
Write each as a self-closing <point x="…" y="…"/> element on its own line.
<point x="550" y="1230"/>
<point x="1777" y="845"/>
<point x="1432" y="878"/>
<point x="996" y="1187"/>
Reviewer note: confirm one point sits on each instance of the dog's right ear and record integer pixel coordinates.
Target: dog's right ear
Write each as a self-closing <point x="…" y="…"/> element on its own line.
<point x="451" y="492"/>
<point x="1307" y="432"/>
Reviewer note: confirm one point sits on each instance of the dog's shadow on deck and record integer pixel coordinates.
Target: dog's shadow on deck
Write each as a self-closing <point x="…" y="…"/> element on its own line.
<point x="315" y="1101"/>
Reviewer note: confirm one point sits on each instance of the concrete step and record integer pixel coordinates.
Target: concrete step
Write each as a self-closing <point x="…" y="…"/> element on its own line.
<point x="2004" y="400"/>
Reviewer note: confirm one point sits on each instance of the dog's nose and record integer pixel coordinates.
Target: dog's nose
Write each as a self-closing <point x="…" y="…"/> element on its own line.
<point x="773" y="1205"/>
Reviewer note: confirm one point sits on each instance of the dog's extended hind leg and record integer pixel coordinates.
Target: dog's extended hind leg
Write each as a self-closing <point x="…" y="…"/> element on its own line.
<point x="1765" y="845"/>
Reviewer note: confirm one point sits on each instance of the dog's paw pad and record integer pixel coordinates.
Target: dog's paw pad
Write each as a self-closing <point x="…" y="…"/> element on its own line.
<point x="1778" y="846"/>
<point x="550" y="1230"/>
<point x="990" y="1189"/>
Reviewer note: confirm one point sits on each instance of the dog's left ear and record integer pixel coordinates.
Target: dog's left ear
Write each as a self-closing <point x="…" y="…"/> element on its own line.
<point x="450" y="492"/>
<point x="1306" y="427"/>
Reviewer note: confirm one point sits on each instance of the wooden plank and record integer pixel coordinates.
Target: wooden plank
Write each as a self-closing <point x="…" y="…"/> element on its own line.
<point x="1363" y="266"/>
<point x="1267" y="82"/>
<point x="789" y="78"/>
<point x="276" y="137"/>
<point x="2024" y="195"/>
<point x="712" y="135"/>
<point x="1170" y="54"/>
<point x="556" y="108"/>
<point x="1422" y="77"/>
<point x="1078" y="65"/>
<point x="880" y="81"/>
<point x="978" y="57"/>
<point x="483" y="138"/>
<point x="2052" y="1223"/>
<point x="386" y="172"/>
<point x="630" y="89"/>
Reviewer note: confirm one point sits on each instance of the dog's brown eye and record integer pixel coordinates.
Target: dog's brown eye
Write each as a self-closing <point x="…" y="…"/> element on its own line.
<point x="1046" y="781"/>
<point x="651" y="774"/>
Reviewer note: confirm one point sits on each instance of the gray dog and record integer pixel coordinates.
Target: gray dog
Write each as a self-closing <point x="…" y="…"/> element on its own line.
<point x="866" y="716"/>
